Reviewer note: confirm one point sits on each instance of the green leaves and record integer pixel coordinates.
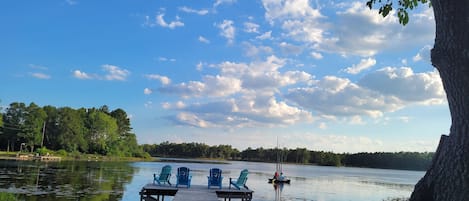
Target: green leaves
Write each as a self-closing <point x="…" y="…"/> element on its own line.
<point x="403" y="8"/>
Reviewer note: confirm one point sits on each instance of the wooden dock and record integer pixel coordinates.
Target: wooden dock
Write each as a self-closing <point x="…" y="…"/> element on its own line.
<point x="194" y="193"/>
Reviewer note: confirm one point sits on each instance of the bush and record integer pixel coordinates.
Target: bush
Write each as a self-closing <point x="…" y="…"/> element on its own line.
<point x="61" y="152"/>
<point x="7" y="196"/>
<point x="43" y="151"/>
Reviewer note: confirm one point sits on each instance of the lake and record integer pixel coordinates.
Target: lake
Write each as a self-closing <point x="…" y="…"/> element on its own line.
<point x="102" y="181"/>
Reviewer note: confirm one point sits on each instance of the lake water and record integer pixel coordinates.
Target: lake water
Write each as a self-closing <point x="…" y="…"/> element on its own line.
<point x="102" y="181"/>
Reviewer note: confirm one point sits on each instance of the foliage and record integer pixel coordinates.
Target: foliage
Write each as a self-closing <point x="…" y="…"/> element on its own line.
<point x="400" y="160"/>
<point x="7" y="196"/>
<point x="76" y="131"/>
<point x="386" y="6"/>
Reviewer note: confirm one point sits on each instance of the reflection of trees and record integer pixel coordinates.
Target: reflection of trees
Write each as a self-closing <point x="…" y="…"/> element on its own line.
<point x="93" y="181"/>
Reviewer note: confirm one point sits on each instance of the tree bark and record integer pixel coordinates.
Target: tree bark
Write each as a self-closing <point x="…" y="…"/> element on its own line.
<point x="447" y="179"/>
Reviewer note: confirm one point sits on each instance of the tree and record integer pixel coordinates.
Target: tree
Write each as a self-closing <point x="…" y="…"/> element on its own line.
<point x="102" y="131"/>
<point x="31" y="130"/>
<point x="71" y="130"/>
<point x="14" y="119"/>
<point x="447" y="179"/>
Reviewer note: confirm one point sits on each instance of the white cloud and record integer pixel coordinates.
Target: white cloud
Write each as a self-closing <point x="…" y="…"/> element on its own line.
<point x="264" y="36"/>
<point x="81" y="75"/>
<point x="363" y="65"/>
<point x="41" y="76"/>
<point x="115" y="73"/>
<point x="227" y="30"/>
<point x="357" y="30"/>
<point x="288" y="48"/>
<point x="220" y="2"/>
<point x="253" y="51"/>
<point x="251" y="107"/>
<point x="163" y="79"/>
<point x="159" y="20"/>
<point x="287" y="9"/>
<point x="190" y="10"/>
<point x="203" y="40"/>
<point x="403" y="83"/>
<point x="250" y="27"/>
<point x="191" y="119"/>
<point x="316" y="55"/>
<point x="213" y="86"/>
<point x="147" y="91"/>
<point x="340" y="97"/>
<point x="423" y="54"/>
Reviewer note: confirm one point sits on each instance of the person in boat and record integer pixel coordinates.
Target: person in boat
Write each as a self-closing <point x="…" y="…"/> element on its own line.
<point x="281" y="177"/>
<point x="275" y="175"/>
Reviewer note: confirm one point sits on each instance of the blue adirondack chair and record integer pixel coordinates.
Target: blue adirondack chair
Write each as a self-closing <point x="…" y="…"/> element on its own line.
<point x="164" y="176"/>
<point x="241" y="181"/>
<point x="183" y="177"/>
<point x="215" y="178"/>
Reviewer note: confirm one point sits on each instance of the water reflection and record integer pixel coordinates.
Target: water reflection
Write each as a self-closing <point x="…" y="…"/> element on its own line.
<point x="122" y="181"/>
<point x="97" y="181"/>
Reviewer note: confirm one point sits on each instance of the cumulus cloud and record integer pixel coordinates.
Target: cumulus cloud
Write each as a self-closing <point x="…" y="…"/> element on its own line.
<point x="203" y="40"/>
<point x="288" y="48"/>
<point x="213" y="86"/>
<point x="265" y="36"/>
<point x="190" y="10"/>
<point x="423" y="54"/>
<point x="363" y="65"/>
<point x="385" y="90"/>
<point x="403" y="83"/>
<point x="357" y="30"/>
<point x="111" y="72"/>
<point x="316" y="55"/>
<point x="227" y="30"/>
<point x="115" y="73"/>
<point x="340" y="97"/>
<point x="253" y="84"/>
<point x="163" y="79"/>
<point x="147" y="91"/>
<point x="254" y="51"/>
<point x="81" y="75"/>
<point x="250" y="27"/>
<point x="220" y="2"/>
<point x="159" y="21"/>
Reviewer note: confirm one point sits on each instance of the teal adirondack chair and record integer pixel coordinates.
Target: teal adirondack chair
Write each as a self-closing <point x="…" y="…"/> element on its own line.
<point x="241" y="181"/>
<point x="164" y="176"/>
<point x="183" y="177"/>
<point x="215" y="178"/>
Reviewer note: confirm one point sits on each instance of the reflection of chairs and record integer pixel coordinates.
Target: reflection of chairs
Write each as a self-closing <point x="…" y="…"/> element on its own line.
<point x="183" y="177"/>
<point x="241" y="181"/>
<point x="215" y="178"/>
<point x="164" y="175"/>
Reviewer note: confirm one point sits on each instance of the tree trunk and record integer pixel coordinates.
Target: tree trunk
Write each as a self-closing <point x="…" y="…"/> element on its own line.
<point x="447" y="179"/>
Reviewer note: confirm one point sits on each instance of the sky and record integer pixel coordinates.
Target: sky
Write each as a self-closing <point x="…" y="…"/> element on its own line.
<point x="317" y="74"/>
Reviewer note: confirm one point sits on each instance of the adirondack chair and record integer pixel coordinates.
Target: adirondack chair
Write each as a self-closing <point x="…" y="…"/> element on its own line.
<point x="183" y="177"/>
<point x="215" y="178"/>
<point x="241" y="181"/>
<point x="164" y="176"/>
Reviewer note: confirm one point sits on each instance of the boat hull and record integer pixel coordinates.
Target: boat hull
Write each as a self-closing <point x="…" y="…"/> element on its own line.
<point x="276" y="181"/>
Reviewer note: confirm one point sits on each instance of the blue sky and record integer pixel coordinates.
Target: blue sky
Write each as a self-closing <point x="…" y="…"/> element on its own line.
<point x="323" y="75"/>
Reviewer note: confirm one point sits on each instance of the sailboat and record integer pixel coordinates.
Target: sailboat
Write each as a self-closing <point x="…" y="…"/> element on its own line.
<point x="279" y="177"/>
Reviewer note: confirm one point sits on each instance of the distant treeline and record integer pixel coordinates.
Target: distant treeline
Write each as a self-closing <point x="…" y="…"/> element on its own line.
<point x="398" y="160"/>
<point x="85" y="130"/>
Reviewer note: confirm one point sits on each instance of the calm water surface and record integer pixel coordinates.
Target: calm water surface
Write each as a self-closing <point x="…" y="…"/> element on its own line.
<point x="102" y="181"/>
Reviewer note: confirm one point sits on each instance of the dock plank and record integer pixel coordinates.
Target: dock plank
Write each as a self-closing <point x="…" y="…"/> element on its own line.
<point x="196" y="193"/>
